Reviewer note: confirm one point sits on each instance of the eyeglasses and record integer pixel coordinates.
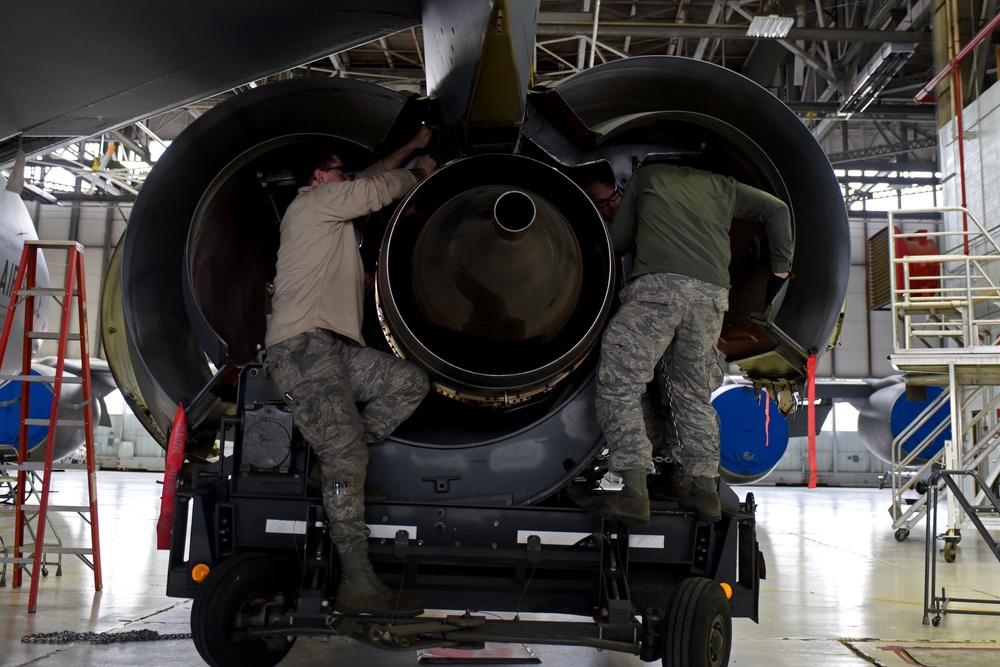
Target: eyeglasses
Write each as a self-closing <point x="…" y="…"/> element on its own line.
<point x="615" y="196"/>
<point x="340" y="168"/>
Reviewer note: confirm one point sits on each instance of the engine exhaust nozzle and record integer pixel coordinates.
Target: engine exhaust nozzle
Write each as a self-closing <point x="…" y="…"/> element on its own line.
<point x="496" y="276"/>
<point x="514" y="212"/>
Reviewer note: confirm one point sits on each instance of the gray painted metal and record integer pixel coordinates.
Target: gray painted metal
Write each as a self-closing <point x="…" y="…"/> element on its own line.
<point x="189" y="52"/>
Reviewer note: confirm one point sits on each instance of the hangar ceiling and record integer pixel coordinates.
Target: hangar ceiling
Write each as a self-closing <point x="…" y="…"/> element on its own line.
<point x="849" y="70"/>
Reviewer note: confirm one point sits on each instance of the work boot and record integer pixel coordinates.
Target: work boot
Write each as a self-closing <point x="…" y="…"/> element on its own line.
<point x="630" y="505"/>
<point x="703" y="499"/>
<point x="361" y="592"/>
<point x="674" y="483"/>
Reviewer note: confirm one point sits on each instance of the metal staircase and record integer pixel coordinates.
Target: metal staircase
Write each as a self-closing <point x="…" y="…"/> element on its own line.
<point x="946" y="332"/>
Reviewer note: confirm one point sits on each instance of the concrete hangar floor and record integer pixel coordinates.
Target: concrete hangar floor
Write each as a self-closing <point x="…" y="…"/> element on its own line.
<point x="840" y="591"/>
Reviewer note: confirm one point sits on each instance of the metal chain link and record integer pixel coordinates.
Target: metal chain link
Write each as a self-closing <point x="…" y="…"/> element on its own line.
<point x="665" y="387"/>
<point x="66" y="637"/>
<point x="667" y="400"/>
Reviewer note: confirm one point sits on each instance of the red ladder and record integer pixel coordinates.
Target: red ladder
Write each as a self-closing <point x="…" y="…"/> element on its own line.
<point x="24" y="292"/>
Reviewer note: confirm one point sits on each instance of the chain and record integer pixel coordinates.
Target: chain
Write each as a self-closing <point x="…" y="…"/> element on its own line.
<point x="667" y="400"/>
<point x="65" y="637"/>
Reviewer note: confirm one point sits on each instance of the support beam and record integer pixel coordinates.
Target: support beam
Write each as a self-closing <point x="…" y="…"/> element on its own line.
<point x="886" y="149"/>
<point x="713" y="31"/>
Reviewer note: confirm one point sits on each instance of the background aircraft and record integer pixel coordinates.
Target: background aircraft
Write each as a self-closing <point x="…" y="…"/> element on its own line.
<point x="15" y="228"/>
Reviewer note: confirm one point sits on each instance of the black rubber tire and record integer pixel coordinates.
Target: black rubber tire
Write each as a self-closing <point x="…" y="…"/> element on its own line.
<point x="240" y="583"/>
<point x="699" y="629"/>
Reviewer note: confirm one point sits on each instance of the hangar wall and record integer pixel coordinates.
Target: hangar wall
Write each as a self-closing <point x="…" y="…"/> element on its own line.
<point x="981" y="125"/>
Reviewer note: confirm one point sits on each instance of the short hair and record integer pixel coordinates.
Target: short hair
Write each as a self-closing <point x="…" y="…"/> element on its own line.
<point x="598" y="181"/>
<point x="303" y="171"/>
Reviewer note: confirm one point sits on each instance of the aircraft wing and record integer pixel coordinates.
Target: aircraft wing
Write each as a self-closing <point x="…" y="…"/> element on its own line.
<point x="75" y="71"/>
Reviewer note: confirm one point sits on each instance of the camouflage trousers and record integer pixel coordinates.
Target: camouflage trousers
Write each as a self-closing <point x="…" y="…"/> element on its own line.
<point x="678" y="319"/>
<point x="326" y="378"/>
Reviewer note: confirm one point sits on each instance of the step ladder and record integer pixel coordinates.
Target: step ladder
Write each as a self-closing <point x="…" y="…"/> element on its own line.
<point x="30" y="557"/>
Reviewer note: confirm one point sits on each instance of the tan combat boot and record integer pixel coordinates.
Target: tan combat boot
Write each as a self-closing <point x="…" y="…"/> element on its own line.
<point x="362" y="592"/>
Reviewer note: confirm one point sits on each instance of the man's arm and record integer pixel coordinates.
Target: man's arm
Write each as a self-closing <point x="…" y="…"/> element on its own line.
<point x="754" y="204"/>
<point x="625" y="224"/>
<point x="424" y="167"/>
<point x="398" y="157"/>
<point x="346" y="200"/>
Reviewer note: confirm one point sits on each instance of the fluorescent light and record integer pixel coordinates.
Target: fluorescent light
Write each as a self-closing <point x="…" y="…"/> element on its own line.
<point x="875" y="76"/>
<point x="771" y="27"/>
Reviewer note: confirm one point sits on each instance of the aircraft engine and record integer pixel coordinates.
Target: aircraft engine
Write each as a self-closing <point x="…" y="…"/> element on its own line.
<point x="753" y="433"/>
<point x="495" y="274"/>
<point x="892" y="417"/>
<point x="15" y="228"/>
<point x="68" y="440"/>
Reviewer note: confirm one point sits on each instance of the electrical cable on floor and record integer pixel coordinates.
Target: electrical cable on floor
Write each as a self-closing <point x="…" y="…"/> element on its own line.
<point x="66" y="637"/>
<point x="517" y="610"/>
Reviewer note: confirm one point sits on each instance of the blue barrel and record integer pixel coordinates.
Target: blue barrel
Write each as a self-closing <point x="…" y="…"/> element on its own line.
<point x="753" y="435"/>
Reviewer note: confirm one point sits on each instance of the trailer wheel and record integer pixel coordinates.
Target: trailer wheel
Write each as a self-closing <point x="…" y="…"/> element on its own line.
<point x="699" y="629"/>
<point x="232" y="593"/>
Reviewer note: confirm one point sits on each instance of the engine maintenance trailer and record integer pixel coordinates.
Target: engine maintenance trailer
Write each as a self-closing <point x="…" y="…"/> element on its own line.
<point x="250" y="545"/>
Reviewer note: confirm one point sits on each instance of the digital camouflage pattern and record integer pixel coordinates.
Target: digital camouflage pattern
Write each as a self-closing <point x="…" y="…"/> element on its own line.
<point x="662" y="313"/>
<point x="325" y="378"/>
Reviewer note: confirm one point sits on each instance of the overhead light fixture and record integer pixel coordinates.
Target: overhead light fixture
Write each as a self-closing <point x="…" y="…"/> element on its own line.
<point x="770" y="27"/>
<point x="875" y="76"/>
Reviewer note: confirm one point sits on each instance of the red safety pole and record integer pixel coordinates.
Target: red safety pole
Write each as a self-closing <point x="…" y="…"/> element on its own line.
<point x="175" y="457"/>
<point x="811" y="370"/>
<point x="923" y="97"/>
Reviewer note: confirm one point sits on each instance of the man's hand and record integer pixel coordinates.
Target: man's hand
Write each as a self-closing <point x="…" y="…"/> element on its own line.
<point x="401" y="155"/>
<point x="421" y="139"/>
<point x="425" y="166"/>
<point x="774" y="285"/>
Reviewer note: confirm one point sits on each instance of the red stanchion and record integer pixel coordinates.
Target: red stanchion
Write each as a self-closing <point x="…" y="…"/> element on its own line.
<point x="811" y="370"/>
<point x="175" y="457"/>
